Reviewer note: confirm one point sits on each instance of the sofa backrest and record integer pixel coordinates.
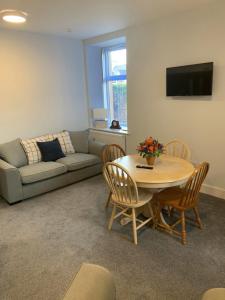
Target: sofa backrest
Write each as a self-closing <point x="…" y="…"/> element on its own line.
<point x="79" y="140"/>
<point x="13" y="153"/>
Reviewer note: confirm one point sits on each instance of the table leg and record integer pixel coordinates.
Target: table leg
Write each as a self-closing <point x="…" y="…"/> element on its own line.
<point x="159" y="218"/>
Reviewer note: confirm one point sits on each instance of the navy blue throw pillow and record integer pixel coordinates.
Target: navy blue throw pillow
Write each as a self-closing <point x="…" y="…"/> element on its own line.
<point x="50" y="151"/>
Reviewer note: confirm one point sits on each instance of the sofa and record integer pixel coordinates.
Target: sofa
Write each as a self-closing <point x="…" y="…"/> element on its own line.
<point x="92" y="282"/>
<point x="214" y="294"/>
<point x="19" y="180"/>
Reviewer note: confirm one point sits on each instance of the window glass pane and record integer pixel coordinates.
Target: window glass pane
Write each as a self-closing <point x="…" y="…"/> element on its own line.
<point x="117" y="62"/>
<point x="115" y="85"/>
<point x="119" y="95"/>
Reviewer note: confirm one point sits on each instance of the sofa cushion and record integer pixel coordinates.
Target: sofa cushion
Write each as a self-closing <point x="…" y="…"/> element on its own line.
<point x="79" y="140"/>
<point x="214" y="294"/>
<point x="41" y="171"/>
<point x="13" y="153"/>
<point x="65" y="141"/>
<point x="32" y="151"/>
<point x="50" y="151"/>
<point x="31" y="148"/>
<point x="92" y="282"/>
<point x="78" y="161"/>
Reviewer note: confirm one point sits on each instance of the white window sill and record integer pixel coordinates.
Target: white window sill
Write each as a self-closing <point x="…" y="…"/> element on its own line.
<point x="117" y="131"/>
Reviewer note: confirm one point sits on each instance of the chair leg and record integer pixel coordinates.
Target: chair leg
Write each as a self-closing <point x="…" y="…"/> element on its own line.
<point x="112" y="217"/>
<point x="198" y="220"/>
<point x="183" y="233"/>
<point x="108" y="200"/>
<point x="134" y="225"/>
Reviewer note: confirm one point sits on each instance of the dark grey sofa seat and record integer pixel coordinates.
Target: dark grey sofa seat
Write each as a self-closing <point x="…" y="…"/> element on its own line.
<point x="20" y="181"/>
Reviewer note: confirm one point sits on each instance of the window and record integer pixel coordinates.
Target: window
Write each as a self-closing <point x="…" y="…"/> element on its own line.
<point x="115" y="84"/>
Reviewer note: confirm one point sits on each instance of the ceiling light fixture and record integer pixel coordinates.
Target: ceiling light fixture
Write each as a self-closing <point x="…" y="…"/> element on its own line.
<point x="14" y="16"/>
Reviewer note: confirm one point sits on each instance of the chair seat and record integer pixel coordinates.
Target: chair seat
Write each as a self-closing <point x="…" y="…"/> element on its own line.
<point x="144" y="197"/>
<point x="170" y="197"/>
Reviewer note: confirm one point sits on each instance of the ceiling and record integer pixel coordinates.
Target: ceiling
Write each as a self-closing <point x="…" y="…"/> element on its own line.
<point x="89" y="18"/>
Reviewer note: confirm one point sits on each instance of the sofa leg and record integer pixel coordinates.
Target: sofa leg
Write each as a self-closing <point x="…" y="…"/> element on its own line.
<point x="17" y="202"/>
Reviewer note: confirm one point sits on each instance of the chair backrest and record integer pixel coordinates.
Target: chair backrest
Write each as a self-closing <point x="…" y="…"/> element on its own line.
<point x="121" y="184"/>
<point x="112" y="152"/>
<point x="178" y="148"/>
<point x="193" y="185"/>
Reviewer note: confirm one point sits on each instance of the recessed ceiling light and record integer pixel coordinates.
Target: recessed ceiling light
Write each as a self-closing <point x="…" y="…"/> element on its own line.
<point x="13" y="16"/>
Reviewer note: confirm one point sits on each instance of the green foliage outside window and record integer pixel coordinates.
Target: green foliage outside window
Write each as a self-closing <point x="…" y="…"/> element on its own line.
<point x="120" y="101"/>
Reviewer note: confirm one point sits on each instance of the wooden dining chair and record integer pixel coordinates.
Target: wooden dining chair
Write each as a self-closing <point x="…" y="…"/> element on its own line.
<point x="109" y="154"/>
<point x="178" y="148"/>
<point x="126" y="196"/>
<point x="183" y="199"/>
<point x="112" y="152"/>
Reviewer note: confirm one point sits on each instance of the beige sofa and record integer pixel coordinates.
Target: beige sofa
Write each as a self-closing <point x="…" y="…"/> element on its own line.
<point x="92" y="282"/>
<point x="19" y="181"/>
<point x="214" y="294"/>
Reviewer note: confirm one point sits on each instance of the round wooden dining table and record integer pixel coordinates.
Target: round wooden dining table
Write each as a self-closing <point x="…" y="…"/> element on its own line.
<point x="168" y="171"/>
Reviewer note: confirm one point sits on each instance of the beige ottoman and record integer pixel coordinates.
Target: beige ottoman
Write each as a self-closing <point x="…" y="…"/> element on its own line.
<point x="92" y="282"/>
<point x="214" y="294"/>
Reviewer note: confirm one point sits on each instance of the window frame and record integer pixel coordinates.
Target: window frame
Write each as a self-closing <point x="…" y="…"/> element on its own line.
<point x="107" y="78"/>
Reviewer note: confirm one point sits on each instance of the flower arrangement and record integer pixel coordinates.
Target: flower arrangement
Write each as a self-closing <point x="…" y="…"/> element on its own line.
<point x="150" y="148"/>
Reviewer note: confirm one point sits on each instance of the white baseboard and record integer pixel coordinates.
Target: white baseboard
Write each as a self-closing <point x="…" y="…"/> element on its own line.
<point x="213" y="191"/>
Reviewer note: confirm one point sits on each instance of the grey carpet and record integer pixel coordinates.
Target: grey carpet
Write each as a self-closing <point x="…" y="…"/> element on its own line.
<point x="44" y="240"/>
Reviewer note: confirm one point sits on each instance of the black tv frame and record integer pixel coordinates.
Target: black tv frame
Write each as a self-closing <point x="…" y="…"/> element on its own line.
<point x="176" y="75"/>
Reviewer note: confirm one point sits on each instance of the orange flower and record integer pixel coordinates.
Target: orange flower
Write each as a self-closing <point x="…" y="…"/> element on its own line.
<point x="149" y="141"/>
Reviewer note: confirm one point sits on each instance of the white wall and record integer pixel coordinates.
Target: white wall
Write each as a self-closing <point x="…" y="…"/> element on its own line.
<point x="189" y="38"/>
<point x="41" y="84"/>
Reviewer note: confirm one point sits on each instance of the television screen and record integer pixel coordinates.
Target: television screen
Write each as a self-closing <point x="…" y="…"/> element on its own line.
<point x="190" y="80"/>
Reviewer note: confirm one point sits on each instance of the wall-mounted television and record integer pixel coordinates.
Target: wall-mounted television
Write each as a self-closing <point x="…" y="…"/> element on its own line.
<point x="190" y="80"/>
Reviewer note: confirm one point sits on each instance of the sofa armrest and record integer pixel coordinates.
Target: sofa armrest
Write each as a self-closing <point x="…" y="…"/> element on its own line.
<point x="95" y="147"/>
<point x="10" y="183"/>
<point x="92" y="282"/>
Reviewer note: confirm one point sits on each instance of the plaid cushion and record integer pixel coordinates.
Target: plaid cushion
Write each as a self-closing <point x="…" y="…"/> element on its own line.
<point x="65" y="141"/>
<point x="31" y="148"/>
<point x="32" y="151"/>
